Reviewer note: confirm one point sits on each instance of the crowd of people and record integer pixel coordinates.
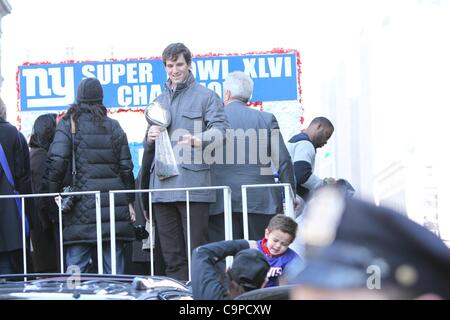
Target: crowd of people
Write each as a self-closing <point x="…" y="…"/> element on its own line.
<point x="342" y="239"/>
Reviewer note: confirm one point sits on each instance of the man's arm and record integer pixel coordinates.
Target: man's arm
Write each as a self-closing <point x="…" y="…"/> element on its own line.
<point x="216" y="122"/>
<point x="280" y="156"/>
<point x="303" y="159"/>
<point x="147" y="160"/>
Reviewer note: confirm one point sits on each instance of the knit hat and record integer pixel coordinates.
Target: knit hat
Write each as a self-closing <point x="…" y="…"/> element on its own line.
<point x="90" y="90"/>
<point x="249" y="268"/>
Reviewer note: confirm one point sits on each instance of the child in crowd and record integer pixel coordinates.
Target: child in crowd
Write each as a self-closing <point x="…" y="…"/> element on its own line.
<point x="279" y="234"/>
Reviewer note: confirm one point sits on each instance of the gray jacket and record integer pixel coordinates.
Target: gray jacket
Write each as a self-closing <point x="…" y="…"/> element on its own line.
<point x="199" y="111"/>
<point x="255" y="167"/>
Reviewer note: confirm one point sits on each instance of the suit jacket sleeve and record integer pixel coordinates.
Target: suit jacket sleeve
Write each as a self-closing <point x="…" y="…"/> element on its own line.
<point x="216" y="122"/>
<point x="280" y="155"/>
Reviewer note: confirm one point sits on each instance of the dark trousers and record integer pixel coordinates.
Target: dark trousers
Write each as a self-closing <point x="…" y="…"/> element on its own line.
<point x="171" y="222"/>
<point x="6" y="267"/>
<point x="12" y="262"/>
<point x="137" y="260"/>
<point x="257" y="223"/>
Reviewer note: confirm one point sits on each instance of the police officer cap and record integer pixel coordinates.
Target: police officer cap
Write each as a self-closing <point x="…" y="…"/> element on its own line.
<point x="249" y="269"/>
<point x="351" y="242"/>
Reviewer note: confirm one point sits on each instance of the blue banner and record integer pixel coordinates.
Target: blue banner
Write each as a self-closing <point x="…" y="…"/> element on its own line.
<point x="136" y="149"/>
<point x="136" y="83"/>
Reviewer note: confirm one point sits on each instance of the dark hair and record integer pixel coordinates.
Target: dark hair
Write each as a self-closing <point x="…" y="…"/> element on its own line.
<point x="234" y="288"/>
<point x="98" y="110"/>
<point x="172" y="51"/>
<point x="43" y="131"/>
<point x="283" y="223"/>
<point x="323" y="121"/>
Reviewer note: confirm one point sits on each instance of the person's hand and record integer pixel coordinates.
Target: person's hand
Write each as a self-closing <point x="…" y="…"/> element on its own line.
<point x="252" y="244"/>
<point x="299" y="205"/>
<point x="191" y="140"/>
<point x="153" y="133"/>
<point x="132" y="212"/>
<point x="145" y="212"/>
<point x="329" y="180"/>
<point x="297" y="202"/>
<point x="57" y="200"/>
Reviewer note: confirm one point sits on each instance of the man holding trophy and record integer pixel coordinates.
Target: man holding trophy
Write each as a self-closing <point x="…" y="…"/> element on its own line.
<point x="184" y="120"/>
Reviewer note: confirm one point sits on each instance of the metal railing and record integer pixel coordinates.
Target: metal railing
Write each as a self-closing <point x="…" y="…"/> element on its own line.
<point x="288" y="201"/>
<point x="60" y="227"/>
<point x="288" y="208"/>
<point x="227" y="219"/>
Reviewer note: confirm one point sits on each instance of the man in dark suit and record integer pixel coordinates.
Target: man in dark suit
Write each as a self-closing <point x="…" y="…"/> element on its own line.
<point x="254" y="151"/>
<point x="14" y="179"/>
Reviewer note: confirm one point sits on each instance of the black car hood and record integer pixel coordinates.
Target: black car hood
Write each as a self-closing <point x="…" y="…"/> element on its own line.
<point x="91" y="287"/>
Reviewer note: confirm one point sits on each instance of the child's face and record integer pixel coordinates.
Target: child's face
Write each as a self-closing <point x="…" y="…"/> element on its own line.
<point x="277" y="241"/>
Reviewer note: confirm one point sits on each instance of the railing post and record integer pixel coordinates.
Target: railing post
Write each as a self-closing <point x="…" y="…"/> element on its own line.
<point x="58" y="197"/>
<point x="188" y="227"/>
<point x="98" y="219"/>
<point x="289" y="201"/>
<point x="150" y="217"/>
<point x="244" y="212"/>
<point x="112" y="223"/>
<point x="24" y="242"/>
<point x="60" y="232"/>
<point x="228" y="219"/>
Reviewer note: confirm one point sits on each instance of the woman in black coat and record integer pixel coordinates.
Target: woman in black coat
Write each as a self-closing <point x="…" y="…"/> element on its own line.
<point x="103" y="162"/>
<point x="45" y="234"/>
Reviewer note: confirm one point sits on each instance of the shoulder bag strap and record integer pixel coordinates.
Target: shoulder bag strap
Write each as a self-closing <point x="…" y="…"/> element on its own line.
<point x="5" y="165"/>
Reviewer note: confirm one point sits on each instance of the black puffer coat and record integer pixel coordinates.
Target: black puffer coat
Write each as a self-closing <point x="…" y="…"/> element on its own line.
<point x="103" y="162"/>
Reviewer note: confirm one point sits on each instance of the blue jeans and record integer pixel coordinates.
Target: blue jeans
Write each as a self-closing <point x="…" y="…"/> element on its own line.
<point x="80" y="254"/>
